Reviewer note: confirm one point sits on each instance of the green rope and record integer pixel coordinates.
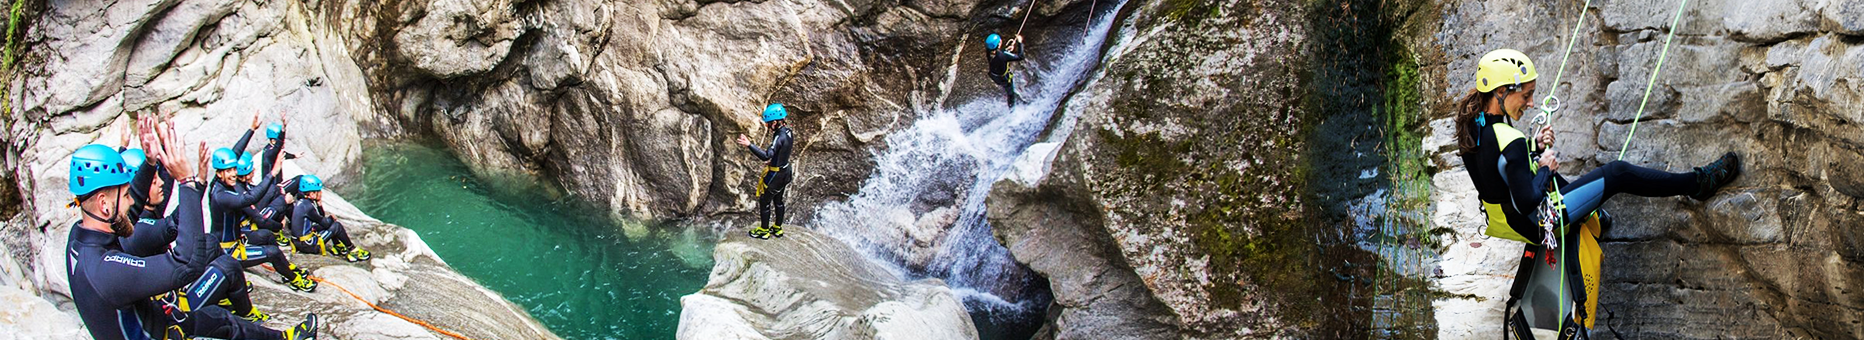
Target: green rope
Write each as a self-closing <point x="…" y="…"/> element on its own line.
<point x="1570" y="40"/>
<point x="1674" y="22"/>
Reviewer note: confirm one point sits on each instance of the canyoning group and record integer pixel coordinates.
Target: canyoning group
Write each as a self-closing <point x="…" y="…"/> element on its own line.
<point x="166" y="233"/>
<point x="1559" y="221"/>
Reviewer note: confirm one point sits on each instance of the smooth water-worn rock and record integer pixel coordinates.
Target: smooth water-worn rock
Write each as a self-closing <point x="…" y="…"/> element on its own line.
<point x="1164" y="213"/>
<point x="1775" y="255"/>
<point x="811" y="286"/>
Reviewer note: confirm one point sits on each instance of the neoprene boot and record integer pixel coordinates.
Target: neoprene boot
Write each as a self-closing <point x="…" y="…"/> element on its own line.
<point x="306" y="330"/>
<point x="1711" y="178"/>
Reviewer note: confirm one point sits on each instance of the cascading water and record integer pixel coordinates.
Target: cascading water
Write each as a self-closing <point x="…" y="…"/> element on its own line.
<point x="923" y="208"/>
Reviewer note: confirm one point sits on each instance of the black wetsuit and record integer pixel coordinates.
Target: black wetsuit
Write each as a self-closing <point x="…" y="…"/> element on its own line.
<point x="308" y="218"/>
<point x="112" y="289"/>
<point x="1000" y="70"/>
<point x="1503" y="175"/>
<point x="776" y="158"/>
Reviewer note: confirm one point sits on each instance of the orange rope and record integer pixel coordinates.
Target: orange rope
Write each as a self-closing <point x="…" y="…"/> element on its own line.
<point x="353" y="295"/>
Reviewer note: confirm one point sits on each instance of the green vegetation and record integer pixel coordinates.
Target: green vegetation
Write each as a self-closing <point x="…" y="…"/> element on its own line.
<point x="9" y="56"/>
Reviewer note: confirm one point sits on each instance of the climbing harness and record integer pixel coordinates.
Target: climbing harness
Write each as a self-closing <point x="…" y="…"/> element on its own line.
<point x="424" y="324"/>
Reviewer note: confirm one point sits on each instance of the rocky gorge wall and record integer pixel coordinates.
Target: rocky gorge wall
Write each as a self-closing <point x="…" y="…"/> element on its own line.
<point x="633" y="105"/>
<point x="1779" y="254"/>
<point x="1159" y="205"/>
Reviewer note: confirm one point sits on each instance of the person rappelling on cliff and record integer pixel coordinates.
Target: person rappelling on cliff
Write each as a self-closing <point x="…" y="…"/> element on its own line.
<point x="120" y="295"/>
<point x="776" y="175"/>
<point x="229" y="195"/>
<point x="1523" y="196"/>
<point x="1001" y="53"/>
<point x="317" y="232"/>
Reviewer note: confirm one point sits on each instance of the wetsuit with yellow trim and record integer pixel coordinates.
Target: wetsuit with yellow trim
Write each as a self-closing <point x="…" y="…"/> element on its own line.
<point x="156" y="229"/>
<point x="122" y="296"/>
<point x="1000" y="59"/>
<point x="775" y="179"/>
<point x="318" y="233"/>
<point x="1512" y="187"/>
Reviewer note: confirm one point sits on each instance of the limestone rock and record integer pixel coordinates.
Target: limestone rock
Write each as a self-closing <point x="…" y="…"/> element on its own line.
<point x="810" y="286"/>
<point x="1141" y="217"/>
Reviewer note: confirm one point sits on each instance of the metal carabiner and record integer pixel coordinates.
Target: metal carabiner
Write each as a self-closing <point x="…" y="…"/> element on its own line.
<point x="1547" y="107"/>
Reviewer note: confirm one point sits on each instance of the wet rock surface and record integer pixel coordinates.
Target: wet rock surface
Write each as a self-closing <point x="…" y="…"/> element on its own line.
<point x="1775" y="255"/>
<point x="810" y="286"/>
<point x="1159" y="207"/>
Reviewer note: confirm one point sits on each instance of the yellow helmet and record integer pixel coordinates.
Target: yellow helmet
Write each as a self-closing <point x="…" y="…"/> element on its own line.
<point x="1503" y="67"/>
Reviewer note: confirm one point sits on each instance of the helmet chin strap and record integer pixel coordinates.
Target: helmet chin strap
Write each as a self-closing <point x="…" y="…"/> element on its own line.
<point x="114" y="219"/>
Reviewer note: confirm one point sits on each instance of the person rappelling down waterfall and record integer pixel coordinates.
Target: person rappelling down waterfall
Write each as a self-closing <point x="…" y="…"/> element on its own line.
<point x="1001" y="53"/>
<point x="1526" y="200"/>
<point x="776" y="175"/>
<point x="159" y="292"/>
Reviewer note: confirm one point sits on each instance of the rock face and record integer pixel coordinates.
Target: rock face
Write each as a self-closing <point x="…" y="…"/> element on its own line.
<point x="1159" y="207"/>
<point x="810" y="286"/>
<point x="1776" y="255"/>
<point x="634" y="105"/>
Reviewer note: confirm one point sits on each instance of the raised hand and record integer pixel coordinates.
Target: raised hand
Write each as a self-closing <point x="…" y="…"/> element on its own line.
<point x="277" y="167"/>
<point x="255" y="119"/>
<point x="743" y="141"/>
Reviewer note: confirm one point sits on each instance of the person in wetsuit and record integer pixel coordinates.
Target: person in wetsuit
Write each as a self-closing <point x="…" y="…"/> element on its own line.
<point x="776" y="175"/>
<point x="261" y="233"/>
<point x="228" y="195"/>
<point x="154" y="231"/>
<point x="1514" y="178"/>
<point x="317" y="232"/>
<point x="1000" y="58"/>
<point x="119" y="295"/>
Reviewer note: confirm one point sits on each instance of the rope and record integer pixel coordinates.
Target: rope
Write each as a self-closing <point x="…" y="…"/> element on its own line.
<point x="1674" y="22"/>
<point x="429" y="326"/>
<point x="1031" y="9"/>
<point x="1089" y="27"/>
<point x="1546" y="118"/>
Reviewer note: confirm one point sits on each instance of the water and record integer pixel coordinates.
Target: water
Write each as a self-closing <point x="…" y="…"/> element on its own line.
<point x="579" y="276"/>
<point x="939" y="171"/>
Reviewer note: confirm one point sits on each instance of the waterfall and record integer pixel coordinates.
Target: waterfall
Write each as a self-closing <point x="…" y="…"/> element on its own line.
<point x="939" y="170"/>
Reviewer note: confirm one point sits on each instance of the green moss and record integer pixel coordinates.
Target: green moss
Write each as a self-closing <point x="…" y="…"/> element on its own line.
<point x="1158" y="158"/>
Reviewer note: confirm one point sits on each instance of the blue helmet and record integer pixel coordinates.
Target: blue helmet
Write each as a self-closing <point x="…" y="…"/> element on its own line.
<point x="245" y="164"/>
<point x="96" y="167"/>
<point x="224" y="158"/>
<point x="272" y="130"/>
<point x="993" y="41"/>
<point x="309" y="183"/>
<point x="775" y="112"/>
<point x="133" y="158"/>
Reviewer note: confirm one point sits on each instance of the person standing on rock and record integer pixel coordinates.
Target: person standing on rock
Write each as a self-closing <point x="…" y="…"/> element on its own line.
<point x="776" y="175"/>
<point x="1000" y="58"/>
<point x="317" y="233"/>
<point x="125" y="296"/>
<point x="1513" y="191"/>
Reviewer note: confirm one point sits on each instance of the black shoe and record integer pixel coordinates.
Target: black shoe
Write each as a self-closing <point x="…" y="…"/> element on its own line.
<point x="1712" y="177"/>
<point x="306" y="330"/>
